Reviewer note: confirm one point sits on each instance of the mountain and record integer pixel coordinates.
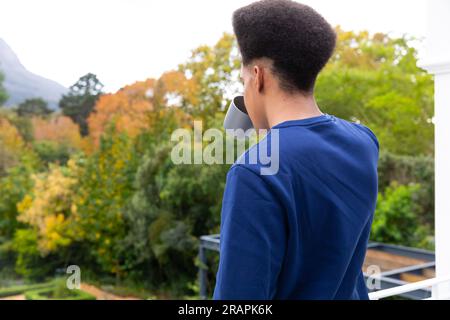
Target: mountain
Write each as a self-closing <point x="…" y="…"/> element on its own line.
<point x="21" y="84"/>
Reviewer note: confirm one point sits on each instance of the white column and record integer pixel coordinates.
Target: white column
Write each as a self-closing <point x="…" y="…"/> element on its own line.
<point x="437" y="62"/>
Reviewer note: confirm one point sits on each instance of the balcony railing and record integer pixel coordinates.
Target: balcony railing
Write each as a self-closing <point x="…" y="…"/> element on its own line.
<point x="406" y="272"/>
<point x="410" y="287"/>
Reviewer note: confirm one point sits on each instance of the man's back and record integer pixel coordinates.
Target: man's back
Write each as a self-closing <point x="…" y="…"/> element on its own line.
<point x="301" y="233"/>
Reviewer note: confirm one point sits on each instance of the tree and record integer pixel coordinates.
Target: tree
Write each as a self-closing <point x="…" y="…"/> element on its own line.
<point x="48" y="209"/>
<point x="80" y="101"/>
<point x="126" y="110"/>
<point x="58" y="129"/>
<point x="371" y="78"/>
<point x="105" y="186"/>
<point x="34" y="107"/>
<point x="43" y="239"/>
<point x="374" y="79"/>
<point x="55" y="138"/>
<point x="174" y="89"/>
<point x="13" y="188"/>
<point x="396" y="218"/>
<point x="171" y="207"/>
<point x="12" y="146"/>
<point x="3" y="94"/>
<point x="215" y="75"/>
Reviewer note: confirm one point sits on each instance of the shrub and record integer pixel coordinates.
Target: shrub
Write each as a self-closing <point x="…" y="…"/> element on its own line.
<point x="14" y="290"/>
<point x="396" y="220"/>
<point x="50" y="151"/>
<point x="50" y="294"/>
<point x="406" y="170"/>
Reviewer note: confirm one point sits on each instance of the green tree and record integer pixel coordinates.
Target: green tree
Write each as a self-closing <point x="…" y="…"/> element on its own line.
<point x="51" y="151"/>
<point x="80" y="101"/>
<point x="410" y="170"/>
<point x="215" y="70"/>
<point x="106" y="185"/>
<point x="3" y="94"/>
<point x="34" y="107"/>
<point x="13" y="188"/>
<point x="374" y="79"/>
<point x="171" y="207"/>
<point x="371" y="78"/>
<point x="396" y="217"/>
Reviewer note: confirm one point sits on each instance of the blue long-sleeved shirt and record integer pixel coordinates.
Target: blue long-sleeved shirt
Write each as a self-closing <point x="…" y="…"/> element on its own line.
<point x="302" y="232"/>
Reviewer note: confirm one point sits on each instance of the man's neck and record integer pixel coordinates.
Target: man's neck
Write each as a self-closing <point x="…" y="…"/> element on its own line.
<point x="291" y="107"/>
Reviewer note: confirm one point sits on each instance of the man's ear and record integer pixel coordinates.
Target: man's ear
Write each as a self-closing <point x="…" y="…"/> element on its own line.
<point x="258" y="74"/>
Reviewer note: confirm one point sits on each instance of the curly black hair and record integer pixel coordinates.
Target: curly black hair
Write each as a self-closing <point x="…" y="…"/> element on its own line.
<point x="297" y="39"/>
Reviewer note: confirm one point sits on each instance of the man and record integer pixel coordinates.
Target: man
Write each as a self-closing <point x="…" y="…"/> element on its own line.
<point x="302" y="232"/>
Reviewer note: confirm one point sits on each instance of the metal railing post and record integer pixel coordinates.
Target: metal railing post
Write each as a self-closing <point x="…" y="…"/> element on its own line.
<point x="202" y="272"/>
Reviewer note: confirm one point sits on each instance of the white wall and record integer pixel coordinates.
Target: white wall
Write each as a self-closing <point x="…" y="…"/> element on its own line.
<point x="437" y="61"/>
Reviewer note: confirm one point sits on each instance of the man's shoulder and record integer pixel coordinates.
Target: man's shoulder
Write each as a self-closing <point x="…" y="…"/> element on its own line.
<point x="262" y="158"/>
<point x="367" y="130"/>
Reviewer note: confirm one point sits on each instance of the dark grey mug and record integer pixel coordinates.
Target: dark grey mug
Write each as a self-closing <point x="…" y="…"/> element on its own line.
<point x="237" y="117"/>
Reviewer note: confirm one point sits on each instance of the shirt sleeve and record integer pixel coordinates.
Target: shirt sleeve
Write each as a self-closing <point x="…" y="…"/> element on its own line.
<point x="371" y="134"/>
<point x="252" y="238"/>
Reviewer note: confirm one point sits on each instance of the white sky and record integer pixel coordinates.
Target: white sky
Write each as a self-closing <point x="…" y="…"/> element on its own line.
<point x="123" y="41"/>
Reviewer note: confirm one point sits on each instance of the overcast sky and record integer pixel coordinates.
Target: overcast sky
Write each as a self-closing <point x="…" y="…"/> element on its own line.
<point x="123" y="41"/>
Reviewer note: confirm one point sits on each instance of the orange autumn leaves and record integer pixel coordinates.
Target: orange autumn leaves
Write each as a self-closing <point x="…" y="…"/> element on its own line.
<point x="58" y="129"/>
<point x="128" y="110"/>
<point x="173" y="89"/>
<point x="125" y="110"/>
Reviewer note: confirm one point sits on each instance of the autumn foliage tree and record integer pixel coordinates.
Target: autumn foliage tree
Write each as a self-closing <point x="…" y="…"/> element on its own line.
<point x="143" y="105"/>
<point x="125" y="110"/>
<point x="174" y="89"/>
<point x="12" y="146"/>
<point x="215" y="72"/>
<point x="42" y="242"/>
<point x="58" y="129"/>
<point x="48" y="210"/>
<point x="56" y="138"/>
